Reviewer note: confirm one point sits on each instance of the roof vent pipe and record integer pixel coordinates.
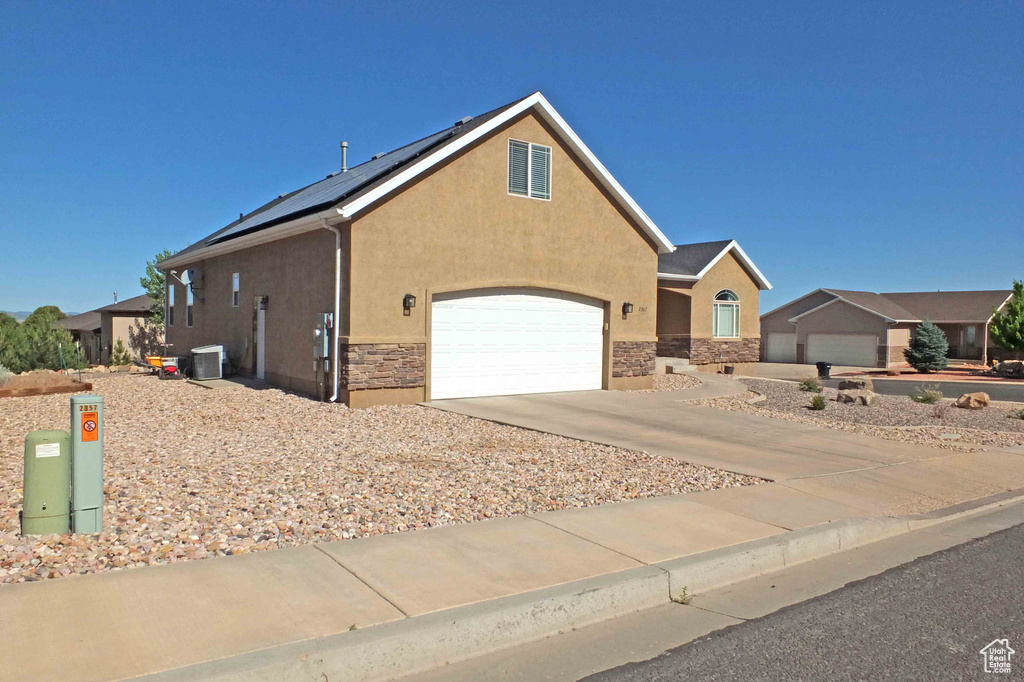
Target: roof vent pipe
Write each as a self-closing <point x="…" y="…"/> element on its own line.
<point x="344" y="156"/>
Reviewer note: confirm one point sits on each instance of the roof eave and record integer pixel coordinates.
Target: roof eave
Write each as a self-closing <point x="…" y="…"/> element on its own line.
<point x="678" y="278"/>
<point x="733" y="245"/>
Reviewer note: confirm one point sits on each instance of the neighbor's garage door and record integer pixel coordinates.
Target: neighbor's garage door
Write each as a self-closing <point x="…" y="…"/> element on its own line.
<point x="859" y="350"/>
<point x="781" y="347"/>
<point x="508" y="341"/>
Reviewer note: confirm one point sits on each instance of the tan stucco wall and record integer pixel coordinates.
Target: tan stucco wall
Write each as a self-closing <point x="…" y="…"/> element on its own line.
<point x="778" y="320"/>
<point x="297" y="274"/>
<point x="674" y="302"/>
<point x="459" y="229"/>
<point x="120" y="327"/>
<point x="727" y="273"/>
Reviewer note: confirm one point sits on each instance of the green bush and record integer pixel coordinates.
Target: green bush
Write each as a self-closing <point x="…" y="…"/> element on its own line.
<point x="37" y="343"/>
<point x="818" y="402"/>
<point x="5" y="374"/>
<point x="119" y="355"/>
<point x="929" y="395"/>
<point x="810" y="385"/>
<point x="928" y="349"/>
<point x="1019" y="414"/>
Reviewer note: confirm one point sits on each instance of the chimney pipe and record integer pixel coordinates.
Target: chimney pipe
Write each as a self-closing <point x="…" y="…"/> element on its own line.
<point x="115" y="297"/>
<point x="344" y="156"/>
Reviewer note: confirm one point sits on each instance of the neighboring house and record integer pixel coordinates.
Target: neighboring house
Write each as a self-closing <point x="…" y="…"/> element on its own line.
<point x="497" y="256"/>
<point x="99" y="330"/>
<point x="86" y="329"/>
<point x="866" y="329"/>
<point x="708" y="305"/>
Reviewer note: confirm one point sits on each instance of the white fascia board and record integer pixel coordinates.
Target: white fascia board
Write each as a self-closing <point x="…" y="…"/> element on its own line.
<point x="1000" y="307"/>
<point x="678" y="278"/>
<point x="552" y="117"/>
<point x="840" y="298"/>
<point x="744" y="258"/>
<point x="291" y="228"/>
<point x="795" y="300"/>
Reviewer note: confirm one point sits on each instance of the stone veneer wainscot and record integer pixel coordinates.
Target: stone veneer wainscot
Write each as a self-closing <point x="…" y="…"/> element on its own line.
<point x="383" y="365"/>
<point x="633" y="358"/>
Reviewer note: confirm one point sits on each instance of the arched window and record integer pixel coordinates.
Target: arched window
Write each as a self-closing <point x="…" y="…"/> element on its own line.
<point x="726" y="320"/>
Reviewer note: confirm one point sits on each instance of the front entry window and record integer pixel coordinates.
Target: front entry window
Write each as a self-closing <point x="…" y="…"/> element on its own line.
<point x="726" y="319"/>
<point x="972" y="332"/>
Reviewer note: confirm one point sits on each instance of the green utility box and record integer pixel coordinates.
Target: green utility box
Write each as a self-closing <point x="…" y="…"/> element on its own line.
<point x="47" y="483"/>
<point x="87" y="464"/>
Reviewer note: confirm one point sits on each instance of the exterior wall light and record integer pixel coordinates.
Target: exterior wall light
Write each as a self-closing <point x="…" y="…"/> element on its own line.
<point x="627" y="308"/>
<point x="408" y="303"/>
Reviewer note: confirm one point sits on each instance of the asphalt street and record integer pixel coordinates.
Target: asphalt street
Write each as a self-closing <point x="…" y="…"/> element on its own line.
<point x="926" y="620"/>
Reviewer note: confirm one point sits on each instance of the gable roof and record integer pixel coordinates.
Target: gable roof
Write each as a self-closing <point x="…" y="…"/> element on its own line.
<point x="85" y="322"/>
<point x="137" y="304"/>
<point x="935" y="306"/>
<point x="341" y="196"/>
<point x="952" y="306"/>
<point x="690" y="262"/>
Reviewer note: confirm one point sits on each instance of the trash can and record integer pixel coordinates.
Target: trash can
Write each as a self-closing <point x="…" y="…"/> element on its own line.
<point x="824" y="370"/>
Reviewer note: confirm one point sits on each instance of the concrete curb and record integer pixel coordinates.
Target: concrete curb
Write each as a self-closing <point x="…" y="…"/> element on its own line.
<point x="424" y="642"/>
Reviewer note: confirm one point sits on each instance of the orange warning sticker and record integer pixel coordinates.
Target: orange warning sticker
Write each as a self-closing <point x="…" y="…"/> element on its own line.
<point x="90" y="426"/>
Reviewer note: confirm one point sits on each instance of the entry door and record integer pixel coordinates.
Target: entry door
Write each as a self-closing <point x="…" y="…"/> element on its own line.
<point x="261" y="340"/>
<point x="511" y="341"/>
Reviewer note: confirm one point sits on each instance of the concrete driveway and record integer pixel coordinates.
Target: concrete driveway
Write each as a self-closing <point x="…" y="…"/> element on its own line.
<point x="668" y="424"/>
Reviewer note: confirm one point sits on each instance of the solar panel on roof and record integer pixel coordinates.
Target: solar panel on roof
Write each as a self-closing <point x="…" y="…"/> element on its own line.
<point x="335" y="187"/>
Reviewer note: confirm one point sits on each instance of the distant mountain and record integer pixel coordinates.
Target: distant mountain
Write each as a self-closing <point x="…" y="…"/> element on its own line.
<point x="20" y="315"/>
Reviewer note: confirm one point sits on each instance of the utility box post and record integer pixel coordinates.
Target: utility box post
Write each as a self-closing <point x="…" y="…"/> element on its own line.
<point x="87" y="464"/>
<point x="47" y="483"/>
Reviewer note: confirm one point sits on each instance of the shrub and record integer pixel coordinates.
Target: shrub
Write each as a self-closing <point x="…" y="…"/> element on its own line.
<point x="5" y="374"/>
<point x="1019" y="414"/>
<point x="120" y="355"/>
<point x="929" y="395"/>
<point x="810" y="385"/>
<point x="942" y="410"/>
<point x="928" y="349"/>
<point x="1007" y="327"/>
<point x="818" y="402"/>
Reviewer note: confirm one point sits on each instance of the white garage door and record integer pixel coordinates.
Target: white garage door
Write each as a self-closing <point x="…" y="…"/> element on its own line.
<point x="509" y="341"/>
<point x="859" y="350"/>
<point x="781" y="347"/>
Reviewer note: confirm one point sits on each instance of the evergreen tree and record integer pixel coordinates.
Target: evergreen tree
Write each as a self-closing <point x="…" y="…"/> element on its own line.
<point x="155" y="285"/>
<point x="1007" y="327"/>
<point x="119" y="355"/>
<point x="928" y="348"/>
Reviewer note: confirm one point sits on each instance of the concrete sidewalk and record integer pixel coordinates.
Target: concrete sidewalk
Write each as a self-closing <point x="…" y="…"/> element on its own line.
<point x="388" y="605"/>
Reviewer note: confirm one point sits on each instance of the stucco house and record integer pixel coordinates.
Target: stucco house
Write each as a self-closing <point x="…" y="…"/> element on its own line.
<point x="708" y="304"/>
<point x="497" y="256"/>
<point x="865" y="329"/>
<point x="98" y="330"/>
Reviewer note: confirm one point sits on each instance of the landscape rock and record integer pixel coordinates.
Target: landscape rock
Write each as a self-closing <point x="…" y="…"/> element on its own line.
<point x="862" y="384"/>
<point x="973" y="401"/>
<point x="858" y="397"/>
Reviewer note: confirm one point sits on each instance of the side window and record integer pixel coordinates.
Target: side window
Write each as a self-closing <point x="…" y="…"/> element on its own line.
<point x="235" y="289"/>
<point x="529" y="169"/>
<point x="726" y="317"/>
<point x="170" y="304"/>
<point x="189" y="305"/>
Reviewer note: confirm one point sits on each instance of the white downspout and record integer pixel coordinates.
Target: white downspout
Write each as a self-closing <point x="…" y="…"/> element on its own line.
<point x="336" y="346"/>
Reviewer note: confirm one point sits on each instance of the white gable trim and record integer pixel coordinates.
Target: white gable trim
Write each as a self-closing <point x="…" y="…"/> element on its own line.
<point x="998" y="309"/>
<point x="795" y="300"/>
<point x="731" y="246"/>
<point x="548" y="113"/>
<point x="839" y="298"/>
<point x="346" y="211"/>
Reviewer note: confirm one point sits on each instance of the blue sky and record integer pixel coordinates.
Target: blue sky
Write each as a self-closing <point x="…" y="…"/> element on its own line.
<point x="876" y="145"/>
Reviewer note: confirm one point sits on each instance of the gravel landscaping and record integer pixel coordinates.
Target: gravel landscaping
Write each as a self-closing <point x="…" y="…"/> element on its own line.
<point x="895" y="417"/>
<point x="672" y="382"/>
<point x="193" y="473"/>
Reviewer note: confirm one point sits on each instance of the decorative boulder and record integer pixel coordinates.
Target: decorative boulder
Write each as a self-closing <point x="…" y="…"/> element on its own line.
<point x="973" y="401"/>
<point x="856" y="385"/>
<point x="858" y="397"/>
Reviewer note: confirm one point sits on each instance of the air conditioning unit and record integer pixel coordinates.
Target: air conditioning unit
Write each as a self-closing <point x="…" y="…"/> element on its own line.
<point x="208" y="362"/>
